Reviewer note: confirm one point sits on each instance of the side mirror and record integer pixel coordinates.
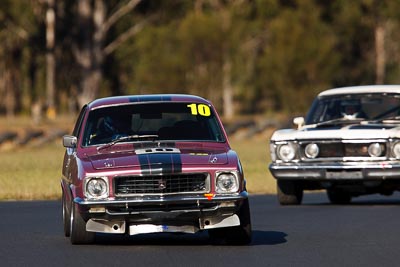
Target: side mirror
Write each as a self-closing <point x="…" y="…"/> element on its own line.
<point x="69" y="141"/>
<point x="299" y="121"/>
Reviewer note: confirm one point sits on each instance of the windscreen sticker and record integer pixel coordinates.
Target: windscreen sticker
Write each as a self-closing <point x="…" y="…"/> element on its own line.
<point x="199" y="109"/>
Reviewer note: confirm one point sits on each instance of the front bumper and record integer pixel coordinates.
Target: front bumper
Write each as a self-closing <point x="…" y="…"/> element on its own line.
<point x="336" y="171"/>
<point x="173" y="213"/>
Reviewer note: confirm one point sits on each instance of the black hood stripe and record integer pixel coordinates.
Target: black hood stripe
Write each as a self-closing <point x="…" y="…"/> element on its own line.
<point x="150" y="98"/>
<point x="153" y="164"/>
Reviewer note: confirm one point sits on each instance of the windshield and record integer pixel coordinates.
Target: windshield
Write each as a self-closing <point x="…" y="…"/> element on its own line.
<point x="163" y="121"/>
<point x="354" y="107"/>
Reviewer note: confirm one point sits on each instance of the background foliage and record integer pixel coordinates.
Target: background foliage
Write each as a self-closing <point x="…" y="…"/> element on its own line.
<point x="247" y="56"/>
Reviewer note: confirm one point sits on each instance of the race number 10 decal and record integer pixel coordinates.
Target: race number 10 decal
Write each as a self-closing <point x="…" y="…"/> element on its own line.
<point x="199" y="109"/>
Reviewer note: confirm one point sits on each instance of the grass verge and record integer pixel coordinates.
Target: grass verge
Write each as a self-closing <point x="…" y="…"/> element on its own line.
<point x="254" y="155"/>
<point x="33" y="173"/>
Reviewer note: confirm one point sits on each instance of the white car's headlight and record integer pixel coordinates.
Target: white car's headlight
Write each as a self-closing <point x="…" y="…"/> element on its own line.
<point x="286" y="152"/>
<point x="227" y="182"/>
<point x="96" y="187"/>
<point x="311" y="151"/>
<point x="375" y="150"/>
<point x="396" y="150"/>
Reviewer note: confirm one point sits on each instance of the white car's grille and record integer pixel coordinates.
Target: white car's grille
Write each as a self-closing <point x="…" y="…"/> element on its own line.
<point x="342" y="150"/>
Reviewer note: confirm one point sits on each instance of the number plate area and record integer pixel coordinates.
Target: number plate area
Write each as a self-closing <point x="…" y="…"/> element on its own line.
<point x="344" y="174"/>
<point x="150" y="228"/>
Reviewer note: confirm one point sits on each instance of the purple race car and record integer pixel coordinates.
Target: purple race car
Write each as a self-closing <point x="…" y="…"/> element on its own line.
<point x="149" y="164"/>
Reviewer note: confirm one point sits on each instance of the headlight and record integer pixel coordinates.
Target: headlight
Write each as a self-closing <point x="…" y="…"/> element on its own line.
<point x="375" y="150"/>
<point x="227" y="182"/>
<point x="96" y="187"/>
<point x="286" y="152"/>
<point x="396" y="150"/>
<point x="311" y="151"/>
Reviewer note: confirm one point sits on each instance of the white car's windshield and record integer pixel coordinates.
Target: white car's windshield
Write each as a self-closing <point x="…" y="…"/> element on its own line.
<point x="160" y="121"/>
<point x="354" y="107"/>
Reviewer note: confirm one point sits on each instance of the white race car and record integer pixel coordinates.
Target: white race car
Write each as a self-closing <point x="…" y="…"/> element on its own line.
<point x="348" y="144"/>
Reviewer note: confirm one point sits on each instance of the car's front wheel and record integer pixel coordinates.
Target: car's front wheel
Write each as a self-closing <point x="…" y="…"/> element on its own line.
<point x="289" y="192"/>
<point x="79" y="235"/>
<point x="338" y="197"/>
<point x="236" y="235"/>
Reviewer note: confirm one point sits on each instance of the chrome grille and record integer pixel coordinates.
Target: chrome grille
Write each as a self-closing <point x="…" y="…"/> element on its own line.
<point x="340" y="149"/>
<point x="165" y="184"/>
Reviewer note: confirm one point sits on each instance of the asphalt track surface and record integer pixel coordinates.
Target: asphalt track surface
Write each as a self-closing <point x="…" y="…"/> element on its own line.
<point x="364" y="233"/>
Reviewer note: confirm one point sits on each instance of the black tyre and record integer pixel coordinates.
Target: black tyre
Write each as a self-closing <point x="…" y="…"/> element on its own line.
<point x="78" y="233"/>
<point x="289" y="192"/>
<point x="237" y="235"/>
<point x="338" y="197"/>
<point x="66" y="214"/>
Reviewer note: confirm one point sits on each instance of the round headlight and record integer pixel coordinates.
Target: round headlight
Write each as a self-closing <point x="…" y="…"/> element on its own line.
<point x="96" y="188"/>
<point x="286" y="152"/>
<point x="396" y="150"/>
<point x="311" y="151"/>
<point x="227" y="182"/>
<point x="375" y="150"/>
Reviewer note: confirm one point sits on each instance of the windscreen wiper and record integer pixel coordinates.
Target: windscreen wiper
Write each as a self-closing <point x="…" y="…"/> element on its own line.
<point x="391" y="118"/>
<point x="339" y="120"/>
<point x="126" y="138"/>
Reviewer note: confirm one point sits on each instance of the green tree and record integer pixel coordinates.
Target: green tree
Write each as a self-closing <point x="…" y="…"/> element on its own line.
<point x="368" y="40"/>
<point x="246" y="56"/>
<point x="299" y="58"/>
<point x="157" y="62"/>
<point x="89" y="35"/>
<point x="249" y="38"/>
<point x="20" y="53"/>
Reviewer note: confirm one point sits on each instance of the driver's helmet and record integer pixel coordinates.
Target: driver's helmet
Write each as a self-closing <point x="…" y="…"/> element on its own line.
<point x="351" y="109"/>
<point x="109" y="126"/>
<point x="116" y="126"/>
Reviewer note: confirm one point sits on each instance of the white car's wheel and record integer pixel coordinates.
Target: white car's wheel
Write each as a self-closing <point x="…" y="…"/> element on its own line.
<point x="289" y="192"/>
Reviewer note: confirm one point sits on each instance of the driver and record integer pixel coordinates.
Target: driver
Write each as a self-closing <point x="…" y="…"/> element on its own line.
<point x="117" y="125"/>
<point x="353" y="111"/>
<point x="112" y="127"/>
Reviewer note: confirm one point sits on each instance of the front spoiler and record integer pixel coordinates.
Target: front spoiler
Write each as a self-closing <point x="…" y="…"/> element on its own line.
<point x="121" y="226"/>
<point x="187" y="214"/>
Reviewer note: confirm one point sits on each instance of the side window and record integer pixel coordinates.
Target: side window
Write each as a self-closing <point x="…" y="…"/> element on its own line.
<point x="79" y="121"/>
